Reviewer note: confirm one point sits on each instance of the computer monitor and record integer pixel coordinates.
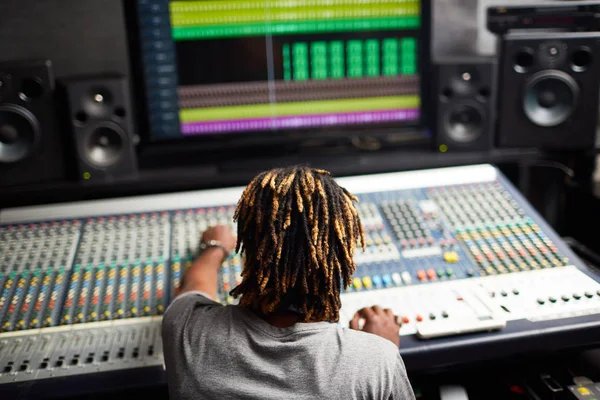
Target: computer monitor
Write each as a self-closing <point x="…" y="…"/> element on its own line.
<point x="240" y="67"/>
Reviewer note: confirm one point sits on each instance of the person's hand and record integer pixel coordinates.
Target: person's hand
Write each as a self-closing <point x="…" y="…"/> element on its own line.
<point x="378" y="322"/>
<point x="221" y="234"/>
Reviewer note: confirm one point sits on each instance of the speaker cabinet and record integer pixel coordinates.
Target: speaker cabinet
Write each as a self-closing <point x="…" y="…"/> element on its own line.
<point x="464" y="103"/>
<point x="31" y="149"/>
<point x="100" y="118"/>
<point x="549" y="96"/>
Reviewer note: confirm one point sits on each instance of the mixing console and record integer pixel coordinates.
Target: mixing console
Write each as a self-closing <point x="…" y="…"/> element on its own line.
<point x="452" y="251"/>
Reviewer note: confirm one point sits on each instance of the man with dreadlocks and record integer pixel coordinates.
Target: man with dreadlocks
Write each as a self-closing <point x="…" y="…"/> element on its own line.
<point x="297" y="231"/>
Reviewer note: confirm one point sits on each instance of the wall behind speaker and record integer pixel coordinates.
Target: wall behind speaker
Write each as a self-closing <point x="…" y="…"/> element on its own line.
<point x="549" y="96"/>
<point x="99" y="117"/>
<point x="464" y="103"/>
<point x="31" y="149"/>
<point x="81" y="37"/>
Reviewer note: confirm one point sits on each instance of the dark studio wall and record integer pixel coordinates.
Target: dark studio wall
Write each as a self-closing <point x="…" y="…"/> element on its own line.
<point x="78" y="36"/>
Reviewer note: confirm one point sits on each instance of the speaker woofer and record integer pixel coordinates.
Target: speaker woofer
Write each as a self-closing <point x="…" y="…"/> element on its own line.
<point x="550" y="98"/>
<point x="104" y="145"/>
<point x="464" y="123"/>
<point x="19" y="132"/>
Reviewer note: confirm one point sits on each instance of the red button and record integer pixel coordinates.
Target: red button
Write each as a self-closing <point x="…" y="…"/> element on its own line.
<point x="419" y="318"/>
<point x="405" y="320"/>
<point x="431" y="274"/>
<point x="421" y="275"/>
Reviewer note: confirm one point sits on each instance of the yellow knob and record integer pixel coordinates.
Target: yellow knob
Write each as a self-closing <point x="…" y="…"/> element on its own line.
<point x="134" y="310"/>
<point x="159" y="307"/>
<point x="146" y="309"/>
<point x="451" y="256"/>
<point x="66" y="318"/>
<point x="357" y="283"/>
<point x="367" y="282"/>
<point x="120" y="312"/>
<point x="93" y="314"/>
<point x="107" y="313"/>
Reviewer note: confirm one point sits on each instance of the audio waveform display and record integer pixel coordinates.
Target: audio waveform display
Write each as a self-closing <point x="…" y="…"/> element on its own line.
<point x="228" y="66"/>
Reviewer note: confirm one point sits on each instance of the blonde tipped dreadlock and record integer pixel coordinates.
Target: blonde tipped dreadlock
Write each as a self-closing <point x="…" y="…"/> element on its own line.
<point x="297" y="230"/>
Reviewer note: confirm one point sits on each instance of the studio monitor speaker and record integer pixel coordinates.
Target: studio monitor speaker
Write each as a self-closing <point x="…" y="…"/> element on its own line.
<point x="31" y="148"/>
<point x="464" y="103"/>
<point x="100" y="120"/>
<point x="549" y="96"/>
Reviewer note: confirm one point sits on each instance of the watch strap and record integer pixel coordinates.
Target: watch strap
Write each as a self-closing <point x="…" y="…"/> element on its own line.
<point x="212" y="244"/>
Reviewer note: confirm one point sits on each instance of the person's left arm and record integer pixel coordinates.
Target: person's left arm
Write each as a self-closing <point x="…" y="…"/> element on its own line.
<point x="202" y="276"/>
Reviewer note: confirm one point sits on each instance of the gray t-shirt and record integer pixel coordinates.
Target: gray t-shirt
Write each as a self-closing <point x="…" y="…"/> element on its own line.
<point x="227" y="352"/>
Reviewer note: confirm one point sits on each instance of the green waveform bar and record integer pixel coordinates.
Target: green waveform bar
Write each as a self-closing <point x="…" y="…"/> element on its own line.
<point x="299" y="108"/>
<point x="295" y="27"/>
<point x="354" y="59"/>
<point x="409" y="59"/>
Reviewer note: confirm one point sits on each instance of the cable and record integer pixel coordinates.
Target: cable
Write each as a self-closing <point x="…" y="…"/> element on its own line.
<point x="554" y="164"/>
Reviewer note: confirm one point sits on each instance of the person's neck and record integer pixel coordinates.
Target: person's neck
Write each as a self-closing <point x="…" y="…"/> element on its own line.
<point x="281" y="320"/>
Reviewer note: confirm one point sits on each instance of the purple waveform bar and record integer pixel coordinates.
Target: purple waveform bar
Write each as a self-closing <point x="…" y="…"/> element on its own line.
<point x="300" y="121"/>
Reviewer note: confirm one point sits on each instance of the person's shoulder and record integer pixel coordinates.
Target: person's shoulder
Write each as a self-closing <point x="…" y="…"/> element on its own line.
<point x="183" y="306"/>
<point x="374" y="345"/>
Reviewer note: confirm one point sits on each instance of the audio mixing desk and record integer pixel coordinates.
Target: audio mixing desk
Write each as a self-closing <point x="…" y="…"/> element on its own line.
<point x="474" y="272"/>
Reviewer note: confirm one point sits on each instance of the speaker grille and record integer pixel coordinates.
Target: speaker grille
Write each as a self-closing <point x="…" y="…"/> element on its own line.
<point x="464" y="123"/>
<point x="550" y="98"/>
<point x="19" y="132"/>
<point x="104" y="145"/>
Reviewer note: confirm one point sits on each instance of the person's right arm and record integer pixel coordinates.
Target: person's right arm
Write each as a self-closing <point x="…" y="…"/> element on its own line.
<point x="378" y="321"/>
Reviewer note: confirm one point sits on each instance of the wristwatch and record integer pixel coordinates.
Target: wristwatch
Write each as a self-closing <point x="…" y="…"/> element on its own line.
<point x="211" y="244"/>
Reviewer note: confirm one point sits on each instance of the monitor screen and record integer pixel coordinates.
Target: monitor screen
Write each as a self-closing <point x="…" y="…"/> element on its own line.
<point x="250" y="66"/>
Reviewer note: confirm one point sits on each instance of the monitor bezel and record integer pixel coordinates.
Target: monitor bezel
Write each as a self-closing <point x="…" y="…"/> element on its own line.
<point x="420" y="130"/>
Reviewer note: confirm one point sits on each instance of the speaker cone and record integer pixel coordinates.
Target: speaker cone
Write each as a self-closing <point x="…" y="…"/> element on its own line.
<point x="104" y="145"/>
<point x="19" y="131"/>
<point x="550" y="98"/>
<point x="464" y="123"/>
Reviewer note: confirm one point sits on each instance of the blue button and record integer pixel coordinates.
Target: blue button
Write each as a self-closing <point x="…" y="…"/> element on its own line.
<point x="377" y="281"/>
<point x="387" y="280"/>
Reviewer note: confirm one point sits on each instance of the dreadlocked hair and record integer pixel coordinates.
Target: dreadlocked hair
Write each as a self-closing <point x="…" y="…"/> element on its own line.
<point x="297" y="230"/>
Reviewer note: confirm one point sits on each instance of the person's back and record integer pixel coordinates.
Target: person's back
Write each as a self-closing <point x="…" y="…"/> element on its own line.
<point x="270" y="347"/>
<point x="228" y="352"/>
